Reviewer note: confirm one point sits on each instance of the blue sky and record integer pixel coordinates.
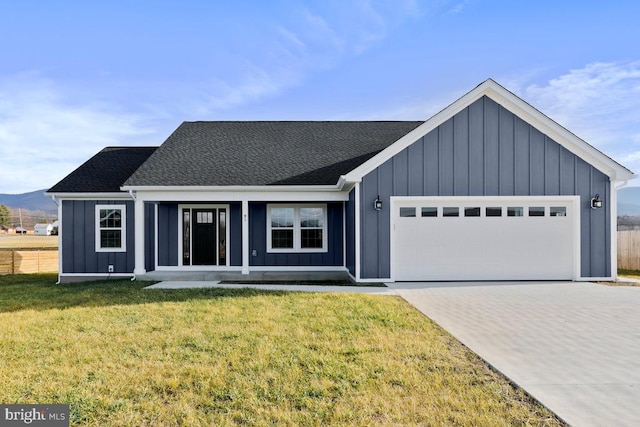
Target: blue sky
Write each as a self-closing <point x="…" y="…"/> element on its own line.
<point x="78" y="76"/>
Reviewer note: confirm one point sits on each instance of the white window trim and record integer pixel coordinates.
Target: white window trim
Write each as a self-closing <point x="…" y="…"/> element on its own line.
<point x="297" y="229"/>
<point x="123" y="228"/>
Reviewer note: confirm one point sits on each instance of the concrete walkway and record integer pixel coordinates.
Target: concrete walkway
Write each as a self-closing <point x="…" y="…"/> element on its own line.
<point x="273" y="287"/>
<point x="573" y="346"/>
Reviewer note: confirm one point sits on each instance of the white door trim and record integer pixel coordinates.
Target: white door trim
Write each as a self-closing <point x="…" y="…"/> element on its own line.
<point x="180" y="237"/>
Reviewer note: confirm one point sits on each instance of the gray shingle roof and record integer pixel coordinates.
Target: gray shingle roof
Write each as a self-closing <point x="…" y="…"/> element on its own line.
<point x="265" y="153"/>
<point x="105" y="172"/>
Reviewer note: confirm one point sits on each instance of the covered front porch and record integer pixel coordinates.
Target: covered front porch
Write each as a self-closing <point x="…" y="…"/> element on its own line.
<point x="240" y="235"/>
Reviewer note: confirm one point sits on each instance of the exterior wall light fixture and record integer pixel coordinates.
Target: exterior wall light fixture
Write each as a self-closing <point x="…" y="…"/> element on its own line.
<point x="377" y="203"/>
<point x="596" y="203"/>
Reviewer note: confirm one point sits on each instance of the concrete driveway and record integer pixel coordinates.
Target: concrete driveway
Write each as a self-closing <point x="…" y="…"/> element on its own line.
<point x="573" y="346"/>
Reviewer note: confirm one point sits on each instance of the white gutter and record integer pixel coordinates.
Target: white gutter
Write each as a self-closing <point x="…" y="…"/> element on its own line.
<point x="233" y="188"/>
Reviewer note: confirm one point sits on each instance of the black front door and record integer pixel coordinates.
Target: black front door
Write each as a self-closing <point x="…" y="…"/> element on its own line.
<point x="205" y="224"/>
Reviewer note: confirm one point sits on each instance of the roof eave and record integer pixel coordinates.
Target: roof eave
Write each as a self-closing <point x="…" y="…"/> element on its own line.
<point x="233" y="188"/>
<point x="87" y="195"/>
<point x="520" y="108"/>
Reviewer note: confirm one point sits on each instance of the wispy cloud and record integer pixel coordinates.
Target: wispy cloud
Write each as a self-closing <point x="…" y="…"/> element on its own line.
<point x="306" y="41"/>
<point x="599" y="102"/>
<point x="43" y="133"/>
<point x="458" y="7"/>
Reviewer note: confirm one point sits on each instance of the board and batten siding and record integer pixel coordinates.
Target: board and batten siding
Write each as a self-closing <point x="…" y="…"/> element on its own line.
<point x="167" y="234"/>
<point x="149" y="236"/>
<point x="79" y="239"/>
<point x="350" y="234"/>
<point x="258" y="241"/>
<point x="485" y="150"/>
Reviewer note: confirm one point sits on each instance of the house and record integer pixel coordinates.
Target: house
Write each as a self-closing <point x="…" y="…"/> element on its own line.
<point x="42" y="229"/>
<point x="487" y="189"/>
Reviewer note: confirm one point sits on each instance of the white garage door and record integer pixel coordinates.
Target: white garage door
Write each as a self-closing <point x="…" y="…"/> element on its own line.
<point x="479" y="238"/>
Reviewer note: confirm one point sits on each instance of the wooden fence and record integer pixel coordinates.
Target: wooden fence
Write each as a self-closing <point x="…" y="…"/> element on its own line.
<point x="24" y="261"/>
<point x="629" y="249"/>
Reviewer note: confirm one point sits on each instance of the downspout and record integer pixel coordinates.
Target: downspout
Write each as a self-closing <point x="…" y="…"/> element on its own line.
<point x="133" y="278"/>
<point x="57" y="203"/>
<point x="614" y="226"/>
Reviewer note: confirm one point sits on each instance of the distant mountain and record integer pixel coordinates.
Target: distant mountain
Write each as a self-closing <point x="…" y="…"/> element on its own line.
<point x="34" y="201"/>
<point x="629" y="201"/>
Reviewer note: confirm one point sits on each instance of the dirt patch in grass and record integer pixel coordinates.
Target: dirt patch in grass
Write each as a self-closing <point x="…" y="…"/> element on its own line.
<point x="123" y="356"/>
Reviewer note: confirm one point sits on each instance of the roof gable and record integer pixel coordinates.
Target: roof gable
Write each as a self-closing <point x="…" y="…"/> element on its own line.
<point x="517" y="106"/>
<point x="265" y="153"/>
<point x="105" y="172"/>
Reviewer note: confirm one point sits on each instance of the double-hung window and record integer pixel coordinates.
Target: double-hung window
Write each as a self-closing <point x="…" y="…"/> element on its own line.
<point x="296" y="228"/>
<point x="111" y="228"/>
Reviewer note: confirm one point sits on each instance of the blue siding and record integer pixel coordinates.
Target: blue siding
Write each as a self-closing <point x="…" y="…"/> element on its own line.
<point x="485" y="150"/>
<point x="78" y="239"/>
<point x="168" y="234"/>
<point x="149" y="236"/>
<point x="235" y="234"/>
<point x="350" y="227"/>
<point x="258" y="240"/>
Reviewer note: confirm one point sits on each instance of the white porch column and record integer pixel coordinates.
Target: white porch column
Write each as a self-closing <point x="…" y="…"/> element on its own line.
<point x="139" y="237"/>
<point x="357" y="234"/>
<point x="245" y="237"/>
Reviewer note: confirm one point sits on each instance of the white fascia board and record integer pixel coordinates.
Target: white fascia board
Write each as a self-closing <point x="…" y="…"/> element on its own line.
<point x="520" y="108"/>
<point x="188" y="195"/>
<point x="91" y="196"/>
<point x="232" y="188"/>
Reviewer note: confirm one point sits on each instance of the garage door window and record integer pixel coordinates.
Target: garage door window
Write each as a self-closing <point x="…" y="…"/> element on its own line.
<point x="450" y="211"/>
<point x="558" y="211"/>
<point x="515" y="211"/>
<point x="536" y="211"/>
<point x="471" y="211"/>
<point x="493" y="211"/>
<point x="430" y="212"/>
<point x="407" y="212"/>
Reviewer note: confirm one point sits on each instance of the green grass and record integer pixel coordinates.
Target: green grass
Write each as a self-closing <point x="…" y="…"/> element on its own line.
<point x="622" y="275"/>
<point x="120" y="355"/>
<point x="635" y="274"/>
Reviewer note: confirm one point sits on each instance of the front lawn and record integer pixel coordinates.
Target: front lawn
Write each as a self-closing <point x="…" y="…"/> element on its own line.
<point x="120" y="355"/>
